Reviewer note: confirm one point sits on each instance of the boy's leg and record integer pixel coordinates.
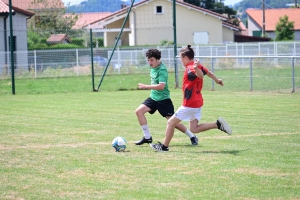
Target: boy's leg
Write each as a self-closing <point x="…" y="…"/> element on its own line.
<point x="169" y="134"/>
<point x="220" y="124"/>
<point x="166" y="108"/>
<point x="185" y="130"/>
<point x="171" y="124"/>
<point x="140" y="113"/>
<point x="197" y="128"/>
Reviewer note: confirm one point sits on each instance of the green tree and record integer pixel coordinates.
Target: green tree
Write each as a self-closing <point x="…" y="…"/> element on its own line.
<point x="284" y="29"/>
<point x="216" y="6"/>
<point x="51" y="16"/>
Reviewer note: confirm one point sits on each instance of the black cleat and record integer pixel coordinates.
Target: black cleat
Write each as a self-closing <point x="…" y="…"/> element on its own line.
<point x="194" y="140"/>
<point x="159" y="147"/>
<point x="144" y="140"/>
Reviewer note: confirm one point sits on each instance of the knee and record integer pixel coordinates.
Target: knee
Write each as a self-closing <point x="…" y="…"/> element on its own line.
<point x="139" y="112"/>
<point x="171" y="123"/>
<point x="193" y="130"/>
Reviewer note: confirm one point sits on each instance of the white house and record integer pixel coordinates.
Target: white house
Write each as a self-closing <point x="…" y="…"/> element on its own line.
<point x="151" y="22"/>
<point x="19" y="21"/>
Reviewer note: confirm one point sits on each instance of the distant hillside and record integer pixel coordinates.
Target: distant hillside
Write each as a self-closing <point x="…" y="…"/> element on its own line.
<point x="98" y="6"/>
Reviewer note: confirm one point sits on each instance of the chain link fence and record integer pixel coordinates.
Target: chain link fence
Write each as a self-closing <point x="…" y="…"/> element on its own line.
<point x="76" y="62"/>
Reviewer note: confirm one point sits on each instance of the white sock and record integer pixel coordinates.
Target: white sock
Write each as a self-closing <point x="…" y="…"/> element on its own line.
<point x="189" y="133"/>
<point x="146" y="131"/>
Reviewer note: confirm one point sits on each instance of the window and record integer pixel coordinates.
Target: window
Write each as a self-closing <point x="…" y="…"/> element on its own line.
<point x="159" y="10"/>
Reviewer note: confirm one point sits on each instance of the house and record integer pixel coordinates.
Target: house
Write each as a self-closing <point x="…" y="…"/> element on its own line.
<point x="272" y="16"/>
<point x="37" y="7"/>
<point x="151" y="22"/>
<point x="86" y="19"/>
<point x="58" y="39"/>
<point x="243" y="36"/>
<point x="243" y="28"/>
<point x="19" y="22"/>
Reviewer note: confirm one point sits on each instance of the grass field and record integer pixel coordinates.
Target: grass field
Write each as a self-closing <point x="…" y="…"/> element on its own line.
<point x="58" y="146"/>
<point x="278" y="79"/>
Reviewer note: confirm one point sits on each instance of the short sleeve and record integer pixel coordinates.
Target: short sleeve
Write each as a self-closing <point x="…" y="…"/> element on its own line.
<point x="203" y="69"/>
<point x="163" y="76"/>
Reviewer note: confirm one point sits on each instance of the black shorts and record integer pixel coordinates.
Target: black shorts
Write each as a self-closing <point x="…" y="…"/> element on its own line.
<point x="164" y="107"/>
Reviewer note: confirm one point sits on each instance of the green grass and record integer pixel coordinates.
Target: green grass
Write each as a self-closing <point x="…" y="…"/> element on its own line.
<point x="277" y="79"/>
<point x="58" y="146"/>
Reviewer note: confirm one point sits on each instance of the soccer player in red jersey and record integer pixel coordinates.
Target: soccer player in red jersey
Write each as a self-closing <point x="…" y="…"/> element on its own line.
<point x="190" y="110"/>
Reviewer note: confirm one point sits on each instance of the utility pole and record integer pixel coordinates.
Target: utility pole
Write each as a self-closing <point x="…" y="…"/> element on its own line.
<point x="296" y="4"/>
<point x="263" y="22"/>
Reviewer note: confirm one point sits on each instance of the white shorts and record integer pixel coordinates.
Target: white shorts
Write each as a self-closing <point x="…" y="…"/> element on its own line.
<point x="188" y="114"/>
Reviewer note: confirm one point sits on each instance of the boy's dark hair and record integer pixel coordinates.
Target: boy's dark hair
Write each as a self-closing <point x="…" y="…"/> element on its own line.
<point x="188" y="52"/>
<point x="153" y="53"/>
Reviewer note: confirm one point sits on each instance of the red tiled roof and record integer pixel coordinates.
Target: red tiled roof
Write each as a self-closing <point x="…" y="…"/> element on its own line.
<point x="4" y="8"/>
<point x="58" y="38"/>
<point x="28" y="5"/>
<point x="272" y="17"/>
<point x="229" y="25"/>
<point x="85" y="19"/>
<point x="244" y="30"/>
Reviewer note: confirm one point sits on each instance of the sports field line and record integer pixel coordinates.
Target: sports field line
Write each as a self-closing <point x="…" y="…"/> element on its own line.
<point x="76" y="145"/>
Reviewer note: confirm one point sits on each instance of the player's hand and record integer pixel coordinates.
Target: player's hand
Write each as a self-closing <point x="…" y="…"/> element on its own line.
<point x="220" y="82"/>
<point x="196" y="63"/>
<point x="142" y="86"/>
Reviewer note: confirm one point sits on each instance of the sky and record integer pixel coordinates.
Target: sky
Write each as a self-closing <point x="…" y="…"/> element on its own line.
<point x="72" y="2"/>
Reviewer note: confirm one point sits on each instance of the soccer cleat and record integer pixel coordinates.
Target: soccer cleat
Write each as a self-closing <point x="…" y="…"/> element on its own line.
<point x="143" y="141"/>
<point x="224" y="126"/>
<point x="194" y="140"/>
<point x="159" y="147"/>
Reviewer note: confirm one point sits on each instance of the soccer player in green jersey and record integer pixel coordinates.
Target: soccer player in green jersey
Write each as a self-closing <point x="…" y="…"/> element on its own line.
<point x="159" y="99"/>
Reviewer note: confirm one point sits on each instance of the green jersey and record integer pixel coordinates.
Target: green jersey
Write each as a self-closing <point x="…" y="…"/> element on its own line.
<point x="159" y="75"/>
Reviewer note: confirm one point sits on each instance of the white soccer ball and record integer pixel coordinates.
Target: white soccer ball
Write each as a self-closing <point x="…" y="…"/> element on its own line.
<point x="119" y="143"/>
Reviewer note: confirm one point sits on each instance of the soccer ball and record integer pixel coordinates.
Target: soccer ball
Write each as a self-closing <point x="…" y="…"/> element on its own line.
<point x="119" y="143"/>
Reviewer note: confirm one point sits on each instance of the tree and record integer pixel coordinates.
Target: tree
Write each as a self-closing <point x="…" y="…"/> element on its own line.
<point x="51" y="16"/>
<point x="284" y="29"/>
<point x="218" y="7"/>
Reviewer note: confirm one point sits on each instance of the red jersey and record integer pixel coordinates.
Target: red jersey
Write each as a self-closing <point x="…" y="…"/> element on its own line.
<point x="192" y="86"/>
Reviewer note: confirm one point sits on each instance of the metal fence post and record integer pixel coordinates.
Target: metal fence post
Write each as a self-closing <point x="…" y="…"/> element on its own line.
<point x="92" y="60"/>
<point x="175" y="45"/>
<point x="77" y="62"/>
<point x="11" y="39"/>
<point x="251" y="76"/>
<point x="35" y="67"/>
<point x="237" y="53"/>
<point x="212" y="69"/>
<point x="293" y="75"/>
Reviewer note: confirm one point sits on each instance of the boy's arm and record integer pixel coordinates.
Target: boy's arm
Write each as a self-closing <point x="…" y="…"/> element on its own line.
<point x="213" y="77"/>
<point x="159" y="86"/>
<point x="199" y="73"/>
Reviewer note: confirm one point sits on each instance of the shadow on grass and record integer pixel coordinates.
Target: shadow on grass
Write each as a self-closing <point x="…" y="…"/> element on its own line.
<point x="233" y="152"/>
